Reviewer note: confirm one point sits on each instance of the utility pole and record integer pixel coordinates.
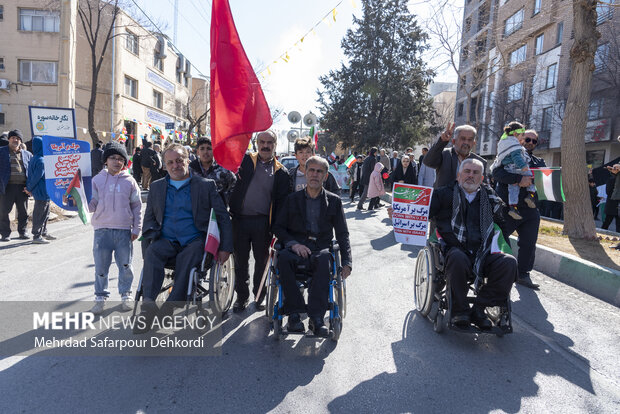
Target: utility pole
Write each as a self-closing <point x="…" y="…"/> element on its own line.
<point x="176" y="21"/>
<point x="67" y="51"/>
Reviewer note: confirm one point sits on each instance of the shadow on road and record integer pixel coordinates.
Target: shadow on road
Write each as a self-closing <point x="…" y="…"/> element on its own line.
<point x="455" y="372"/>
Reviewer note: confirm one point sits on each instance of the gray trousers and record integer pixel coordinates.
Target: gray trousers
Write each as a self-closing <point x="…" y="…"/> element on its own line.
<point x="40" y="215"/>
<point x="360" y="204"/>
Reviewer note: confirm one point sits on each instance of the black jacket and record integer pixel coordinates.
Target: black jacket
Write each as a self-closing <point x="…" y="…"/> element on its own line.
<point x="281" y="185"/>
<point x="96" y="161"/>
<point x="504" y="178"/>
<point x="445" y="161"/>
<point x="611" y="206"/>
<point x="367" y="168"/>
<point x="291" y="223"/>
<point x="330" y="183"/>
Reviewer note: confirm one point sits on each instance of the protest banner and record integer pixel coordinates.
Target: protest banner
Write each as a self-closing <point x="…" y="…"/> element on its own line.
<point x="62" y="157"/>
<point x="57" y="122"/>
<point x="339" y="171"/>
<point x="411" y="205"/>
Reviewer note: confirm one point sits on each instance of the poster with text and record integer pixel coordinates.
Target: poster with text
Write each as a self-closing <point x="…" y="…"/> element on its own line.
<point x="62" y="157"/>
<point x="411" y="205"/>
<point x="57" y="122"/>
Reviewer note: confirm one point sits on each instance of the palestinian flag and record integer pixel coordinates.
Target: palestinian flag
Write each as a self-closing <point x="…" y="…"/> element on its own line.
<point x="350" y="161"/>
<point x="76" y="191"/>
<point x="499" y="244"/>
<point x="548" y="183"/>
<point x="213" y="235"/>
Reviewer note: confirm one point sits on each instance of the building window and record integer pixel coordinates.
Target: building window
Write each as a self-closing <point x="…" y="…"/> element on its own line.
<point x="540" y="40"/>
<point x="131" y="42"/>
<point x="39" y="20"/>
<point x="467" y="24"/>
<point x="483" y="16"/>
<point x="465" y="53"/>
<point x="604" y="11"/>
<point x="537" y="4"/>
<point x="158" y="99"/>
<point x="1" y="64"/>
<point x="518" y="55"/>
<point x="459" y="110"/>
<point x="513" y="23"/>
<point x="551" y="75"/>
<point x="491" y="99"/>
<point x="131" y="87"/>
<point x="1" y="118"/>
<point x="38" y="71"/>
<point x="595" y="109"/>
<point x="547" y="117"/>
<point x="1" y="13"/>
<point x="600" y="57"/>
<point x="558" y="38"/>
<point x="158" y="62"/>
<point x="515" y="92"/>
<point x="179" y="71"/>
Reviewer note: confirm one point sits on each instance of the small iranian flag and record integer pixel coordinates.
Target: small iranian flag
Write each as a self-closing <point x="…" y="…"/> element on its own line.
<point x="213" y="236"/>
<point x="548" y="183"/>
<point x="499" y="244"/>
<point x="76" y="191"/>
<point x="332" y="156"/>
<point x="349" y="162"/>
<point x="314" y="133"/>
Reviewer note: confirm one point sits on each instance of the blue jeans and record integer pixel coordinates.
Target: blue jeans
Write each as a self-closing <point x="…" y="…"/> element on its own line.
<point x="117" y="241"/>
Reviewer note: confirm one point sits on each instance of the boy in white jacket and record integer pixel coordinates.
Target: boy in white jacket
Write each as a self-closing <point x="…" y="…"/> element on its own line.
<point x="117" y="217"/>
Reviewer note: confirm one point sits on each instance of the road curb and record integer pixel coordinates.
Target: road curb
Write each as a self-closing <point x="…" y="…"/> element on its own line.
<point x="598" y="281"/>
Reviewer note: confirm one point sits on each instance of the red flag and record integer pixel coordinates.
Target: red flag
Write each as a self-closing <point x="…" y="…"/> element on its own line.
<point x="238" y="106"/>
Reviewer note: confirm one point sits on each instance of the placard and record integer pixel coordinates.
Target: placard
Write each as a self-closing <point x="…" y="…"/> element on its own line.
<point x="57" y="122"/>
<point x="411" y="205"/>
<point x="61" y="158"/>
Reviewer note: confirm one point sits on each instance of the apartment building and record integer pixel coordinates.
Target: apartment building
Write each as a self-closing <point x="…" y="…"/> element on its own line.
<point x="527" y="78"/>
<point x="144" y="82"/>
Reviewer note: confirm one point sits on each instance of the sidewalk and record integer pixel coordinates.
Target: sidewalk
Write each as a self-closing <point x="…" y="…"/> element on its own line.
<point x="598" y="281"/>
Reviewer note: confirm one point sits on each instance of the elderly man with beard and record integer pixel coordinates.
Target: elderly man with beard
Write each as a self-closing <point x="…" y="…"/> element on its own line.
<point x="463" y="213"/>
<point x="446" y="161"/>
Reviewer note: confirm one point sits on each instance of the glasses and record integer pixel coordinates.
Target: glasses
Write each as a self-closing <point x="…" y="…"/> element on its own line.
<point x="532" y="140"/>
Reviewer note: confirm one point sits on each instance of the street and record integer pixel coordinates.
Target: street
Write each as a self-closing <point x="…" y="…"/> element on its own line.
<point x="562" y="356"/>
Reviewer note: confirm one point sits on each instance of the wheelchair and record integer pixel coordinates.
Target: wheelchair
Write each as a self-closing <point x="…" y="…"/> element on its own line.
<point x="337" y="292"/>
<point x="432" y="294"/>
<point x="211" y="282"/>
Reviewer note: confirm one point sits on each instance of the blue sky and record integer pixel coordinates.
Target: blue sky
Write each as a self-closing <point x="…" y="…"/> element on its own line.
<point x="267" y="29"/>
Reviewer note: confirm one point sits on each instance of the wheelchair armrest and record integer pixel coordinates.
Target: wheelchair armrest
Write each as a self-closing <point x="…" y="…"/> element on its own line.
<point x="334" y="247"/>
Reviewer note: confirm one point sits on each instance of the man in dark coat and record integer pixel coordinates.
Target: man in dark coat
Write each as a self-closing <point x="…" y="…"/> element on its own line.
<point x="464" y="214"/>
<point x="176" y="222"/>
<point x="527" y="227"/>
<point x="446" y="161"/>
<point x="136" y="166"/>
<point x="149" y="161"/>
<point x="367" y="168"/>
<point x="13" y="175"/>
<point x="306" y="225"/>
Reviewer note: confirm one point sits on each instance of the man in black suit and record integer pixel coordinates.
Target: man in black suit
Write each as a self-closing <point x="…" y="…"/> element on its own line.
<point x="305" y="226"/>
<point x="96" y="159"/>
<point x="176" y="222"/>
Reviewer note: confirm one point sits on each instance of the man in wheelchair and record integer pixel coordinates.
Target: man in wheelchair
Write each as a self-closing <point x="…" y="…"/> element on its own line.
<point x="305" y="227"/>
<point x="176" y="222"/>
<point x="463" y="214"/>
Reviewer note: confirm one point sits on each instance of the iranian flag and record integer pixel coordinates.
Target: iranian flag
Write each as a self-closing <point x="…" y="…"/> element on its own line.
<point x="499" y="244"/>
<point x="213" y="235"/>
<point x="332" y="157"/>
<point x="548" y="183"/>
<point x="76" y="191"/>
<point x="349" y="161"/>
<point x="314" y="133"/>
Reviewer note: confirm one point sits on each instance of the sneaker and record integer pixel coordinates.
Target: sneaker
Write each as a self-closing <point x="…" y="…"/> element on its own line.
<point x="294" y="323"/>
<point x="530" y="201"/>
<point x="49" y="237"/>
<point x="126" y="303"/>
<point x="514" y="213"/>
<point x="97" y="309"/>
<point x="39" y="240"/>
<point x="5" y="239"/>
<point x="23" y="237"/>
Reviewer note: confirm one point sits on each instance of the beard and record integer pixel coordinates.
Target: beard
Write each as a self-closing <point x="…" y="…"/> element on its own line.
<point x="470" y="187"/>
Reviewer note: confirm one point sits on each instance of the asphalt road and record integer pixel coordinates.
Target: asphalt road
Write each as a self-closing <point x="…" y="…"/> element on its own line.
<point x="562" y="356"/>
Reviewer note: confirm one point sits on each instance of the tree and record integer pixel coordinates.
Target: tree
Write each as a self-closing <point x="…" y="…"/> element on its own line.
<point x="98" y="19"/>
<point x="379" y="96"/>
<point x="578" y="220"/>
<point x="195" y="112"/>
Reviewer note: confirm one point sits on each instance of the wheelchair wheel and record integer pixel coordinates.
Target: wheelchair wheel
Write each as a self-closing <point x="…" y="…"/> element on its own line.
<point x="222" y="285"/>
<point x="272" y="291"/>
<point x="340" y="292"/>
<point x="423" y="282"/>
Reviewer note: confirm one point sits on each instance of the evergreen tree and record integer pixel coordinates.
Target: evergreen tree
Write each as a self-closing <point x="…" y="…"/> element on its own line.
<point x="379" y="97"/>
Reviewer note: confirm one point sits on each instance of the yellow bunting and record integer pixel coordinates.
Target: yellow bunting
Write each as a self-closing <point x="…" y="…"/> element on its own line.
<point x="334" y="12"/>
<point x="313" y="32"/>
<point x="354" y="4"/>
<point x="302" y="39"/>
<point x="287" y="57"/>
<point x="268" y="70"/>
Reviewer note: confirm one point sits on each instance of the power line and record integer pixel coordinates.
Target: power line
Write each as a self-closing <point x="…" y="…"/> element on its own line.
<point x="174" y="47"/>
<point x="190" y="23"/>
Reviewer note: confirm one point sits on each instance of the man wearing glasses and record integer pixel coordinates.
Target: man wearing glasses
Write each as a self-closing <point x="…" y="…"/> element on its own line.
<point x="527" y="226"/>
